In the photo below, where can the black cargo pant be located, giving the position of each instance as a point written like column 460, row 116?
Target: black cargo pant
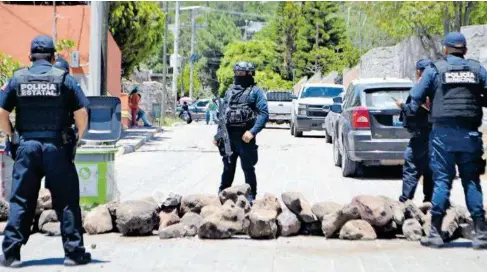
column 247, row 152
column 416, row 164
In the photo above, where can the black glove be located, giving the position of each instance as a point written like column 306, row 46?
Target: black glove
column 482, row 165
column 11, row 149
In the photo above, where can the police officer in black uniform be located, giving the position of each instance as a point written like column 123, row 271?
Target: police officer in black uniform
column 416, row 156
column 246, row 114
column 457, row 88
column 47, row 101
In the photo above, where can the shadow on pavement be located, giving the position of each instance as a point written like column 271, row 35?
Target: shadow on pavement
column 458, row 245
column 278, row 128
column 381, row 172
column 54, row 261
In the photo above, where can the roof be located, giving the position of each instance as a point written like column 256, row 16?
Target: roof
column 318, row 84
column 374, row 83
column 380, row 80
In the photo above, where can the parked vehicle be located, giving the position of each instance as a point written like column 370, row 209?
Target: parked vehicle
column 331, row 120
column 368, row 131
column 280, row 106
column 312, row 106
column 197, row 109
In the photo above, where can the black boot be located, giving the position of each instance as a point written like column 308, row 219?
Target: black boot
column 10, row 261
column 435, row 239
column 480, row 239
column 78, row 260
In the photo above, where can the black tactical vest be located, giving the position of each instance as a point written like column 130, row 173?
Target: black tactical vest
column 238, row 110
column 417, row 122
column 41, row 109
column 458, row 96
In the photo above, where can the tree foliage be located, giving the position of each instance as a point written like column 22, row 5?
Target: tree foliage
column 7, row 66
column 138, row 29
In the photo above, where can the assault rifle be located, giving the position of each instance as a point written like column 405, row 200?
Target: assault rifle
column 222, row 127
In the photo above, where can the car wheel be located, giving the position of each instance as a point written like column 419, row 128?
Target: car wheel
column 292, row 128
column 337, row 157
column 349, row 168
column 297, row 133
column 328, row 137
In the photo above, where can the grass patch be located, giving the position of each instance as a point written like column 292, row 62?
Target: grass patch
column 170, row 120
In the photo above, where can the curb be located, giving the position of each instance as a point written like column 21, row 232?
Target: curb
column 133, row 147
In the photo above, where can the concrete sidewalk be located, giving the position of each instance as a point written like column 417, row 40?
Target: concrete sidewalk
column 133, row 138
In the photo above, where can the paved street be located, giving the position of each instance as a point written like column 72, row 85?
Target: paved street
column 183, row 160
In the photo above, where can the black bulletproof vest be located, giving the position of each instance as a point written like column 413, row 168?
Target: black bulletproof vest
column 238, row 110
column 458, row 96
column 41, row 107
column 417, row 122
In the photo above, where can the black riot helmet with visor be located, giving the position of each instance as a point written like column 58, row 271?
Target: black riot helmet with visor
column 244, row 73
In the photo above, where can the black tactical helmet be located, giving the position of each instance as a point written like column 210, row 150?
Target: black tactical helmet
column 61, row 64
column 244, row 66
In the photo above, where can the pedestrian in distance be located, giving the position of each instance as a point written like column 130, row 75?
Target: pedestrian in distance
column 244, row 114
column 416, row 155
column 457, row 88
column 47, row 102
column 134, row 100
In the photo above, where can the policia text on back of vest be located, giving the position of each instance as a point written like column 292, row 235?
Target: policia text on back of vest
column 459, row 96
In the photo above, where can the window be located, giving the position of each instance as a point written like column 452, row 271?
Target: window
column 385, row 98
column 202, row 103
column 321, row 92
column 280, row 96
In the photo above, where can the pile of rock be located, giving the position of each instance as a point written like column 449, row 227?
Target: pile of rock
column 230, row 214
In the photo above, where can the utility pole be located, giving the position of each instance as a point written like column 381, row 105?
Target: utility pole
column 360, row 36
column 176, row 51
column 191, row 59
column 105, row 6
column 164, row 56
column 95, row 48
column 54, row 25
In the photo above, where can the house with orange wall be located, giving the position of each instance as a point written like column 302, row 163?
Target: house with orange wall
column 19, row 24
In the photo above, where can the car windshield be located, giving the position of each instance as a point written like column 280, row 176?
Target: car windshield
column 201, row 103
column 384, row 98
column 321, row 92
column 279, row 96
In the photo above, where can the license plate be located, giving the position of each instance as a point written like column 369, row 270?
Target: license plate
column 395, row 121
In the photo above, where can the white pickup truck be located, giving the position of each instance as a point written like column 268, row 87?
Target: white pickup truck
column 280, row 106
column 312, row 106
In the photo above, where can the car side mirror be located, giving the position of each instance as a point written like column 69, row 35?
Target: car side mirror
column 337, row 108
column 294, row 97
column 338, row 100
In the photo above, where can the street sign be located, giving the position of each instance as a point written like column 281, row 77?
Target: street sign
column 75, row 59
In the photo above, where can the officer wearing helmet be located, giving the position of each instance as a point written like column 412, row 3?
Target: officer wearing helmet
column 457, row 88
column 416, row 156
column 47, row 102
column 246, row 114
column 61, row 63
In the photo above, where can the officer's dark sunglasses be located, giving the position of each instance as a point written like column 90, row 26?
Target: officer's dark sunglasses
column 243, row 73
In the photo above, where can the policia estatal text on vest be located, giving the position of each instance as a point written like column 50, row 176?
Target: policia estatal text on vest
column 47, row 102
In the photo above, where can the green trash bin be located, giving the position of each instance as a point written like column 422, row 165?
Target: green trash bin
column 95, row 160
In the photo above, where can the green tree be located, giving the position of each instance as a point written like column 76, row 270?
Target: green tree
column 138, row 29
column 184, row 80
column 7, row 66
column 263, row 54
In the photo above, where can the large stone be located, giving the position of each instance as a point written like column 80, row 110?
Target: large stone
column 412, row 230
column 262, row 224
column 137, row 217
column 98, row 220
column 177, row 231
column 243, row 203
column 194, row 203
column 323, row 208
column 209, row 210
column 412, row 211
column 288, row 223
column 215, row 227
column 267, row 202
column 373, row 209
column 298, row 205
column 357, row 230
column 425, row 207
column 44, row 200
column 333, row 222
column 4, row 209
column 47, row 216
column 231, row 212
column 398, row 209
column 172, row 201
column 233, row 193
column 168, row 217
column 51, row 229
column 192, row 220
column 112, row 209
